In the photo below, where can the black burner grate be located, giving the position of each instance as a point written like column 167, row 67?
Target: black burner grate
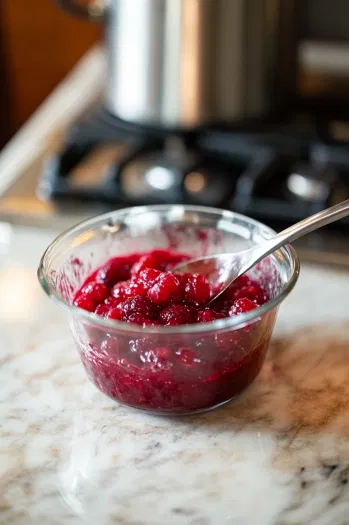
column 277, row 175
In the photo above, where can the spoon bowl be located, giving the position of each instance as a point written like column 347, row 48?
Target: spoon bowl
column 221, row 270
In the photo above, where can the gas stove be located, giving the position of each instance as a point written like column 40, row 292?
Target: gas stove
column 278, row 174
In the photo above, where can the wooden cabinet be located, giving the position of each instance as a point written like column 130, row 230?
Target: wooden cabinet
column 39, row 44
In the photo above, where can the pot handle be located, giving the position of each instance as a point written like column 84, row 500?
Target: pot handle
column 94, row 10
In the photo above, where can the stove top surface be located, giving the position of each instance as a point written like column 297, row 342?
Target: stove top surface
column 278, row 175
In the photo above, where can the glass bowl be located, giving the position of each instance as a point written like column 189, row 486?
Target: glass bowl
column 194, row 367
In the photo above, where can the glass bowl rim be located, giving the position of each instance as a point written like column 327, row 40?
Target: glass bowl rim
column 227, row 323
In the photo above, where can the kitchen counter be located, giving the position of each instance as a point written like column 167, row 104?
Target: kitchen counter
column 278, row 455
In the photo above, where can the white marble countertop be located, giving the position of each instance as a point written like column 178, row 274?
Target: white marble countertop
column 279, row 455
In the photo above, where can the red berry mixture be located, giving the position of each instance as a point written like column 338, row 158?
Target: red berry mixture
column 144, row 372
column 142, row 284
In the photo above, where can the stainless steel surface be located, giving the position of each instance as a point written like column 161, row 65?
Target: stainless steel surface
column 324, row 73
column 223, row 269
column 183, row 63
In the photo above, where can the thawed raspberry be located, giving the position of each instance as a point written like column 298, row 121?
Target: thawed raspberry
column 115, row 313
column 149, row 275
column 86, row 302
column 98, row 291
column 137, row 305
column 180, row 298
column 242, row 306
column 102, row 309
column 138, row 318
column 165, row 288
column 197, row 289
column 112, row 301
column 205, row 316
column 147, row 261
column 118, row 290
column 136, row 288
column 175, row 315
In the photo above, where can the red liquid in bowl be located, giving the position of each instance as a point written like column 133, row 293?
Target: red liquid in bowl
column 175, row 373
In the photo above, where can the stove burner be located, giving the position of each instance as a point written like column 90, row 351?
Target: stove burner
column 278, row 175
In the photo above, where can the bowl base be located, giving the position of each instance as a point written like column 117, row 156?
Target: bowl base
column 166, row 413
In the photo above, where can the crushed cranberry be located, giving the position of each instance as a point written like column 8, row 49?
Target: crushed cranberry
column 167, row 287
column 118, row 291
column 242, row 306
column 149, row 276
column 172, row 374
column 102, row 309
column 115, row 313
column 86, row 302
column 137, row 305
column 146, row 261
column 176, row 315
column 161, row 296
column 99, row 292
column 136, row 288
column 197, row 289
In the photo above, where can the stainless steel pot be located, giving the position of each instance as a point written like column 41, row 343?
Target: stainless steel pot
column 184, row 63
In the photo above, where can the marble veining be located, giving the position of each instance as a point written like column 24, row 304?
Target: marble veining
column 68, row 456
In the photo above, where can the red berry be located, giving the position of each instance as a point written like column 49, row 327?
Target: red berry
column 115, row 313
column 149, row 275
column 205, row 316
column 183, row 277
column 118, row 290
column 98, row 291
column 197, row 289
column 86, row 302
column 112, row 301
column 241, row 306
column 137, row 318
column 147, row 261
column 102, row 309
column 137, row 305
column 135, row 288
column 175, row 315
column 165, row 288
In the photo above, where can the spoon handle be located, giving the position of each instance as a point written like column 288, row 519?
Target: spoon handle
column 306, row 226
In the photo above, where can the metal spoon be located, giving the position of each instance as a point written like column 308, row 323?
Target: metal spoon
column 222, row 269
